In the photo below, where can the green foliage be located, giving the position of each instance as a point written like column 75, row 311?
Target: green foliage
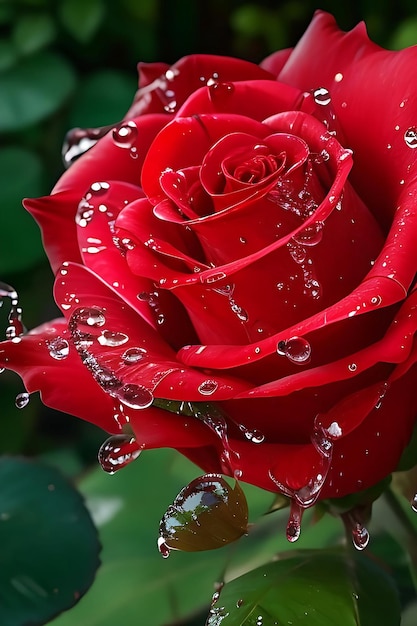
column 49, row 546
column 82, row 18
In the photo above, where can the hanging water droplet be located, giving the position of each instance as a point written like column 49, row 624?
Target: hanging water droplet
column 322, row 96
column 208, row 387
column 360, row 536
column 296, row 349
column 410, row 137
column 125, row 135
column 133, row 355
column 163, row 548
column 112, row 339
column 58, row 348
column 22, row 399
column 15, row 328
column 133, row 396
column 117, row 452
column 293, row 530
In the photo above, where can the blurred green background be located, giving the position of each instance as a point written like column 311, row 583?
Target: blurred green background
column 68, row 63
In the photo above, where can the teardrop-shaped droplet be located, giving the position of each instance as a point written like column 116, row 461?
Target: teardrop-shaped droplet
column 410, row 137
column 296, row 349
column 208, row 387
column 117, row 452
column 164, row 550
column 293, row 530
column 360, row 536
column 58, row 348
column 15, row 328
column 112, row 339
column 322, row 96
column 125, row 135
column 22, row 399
column 133, row 396
column 207, row 514
column 133, row 355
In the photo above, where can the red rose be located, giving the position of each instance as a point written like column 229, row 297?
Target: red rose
column 241, row 251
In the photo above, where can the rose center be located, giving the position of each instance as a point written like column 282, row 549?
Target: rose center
column 258, row 167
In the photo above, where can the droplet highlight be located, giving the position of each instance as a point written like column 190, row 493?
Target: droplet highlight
column 117, row 452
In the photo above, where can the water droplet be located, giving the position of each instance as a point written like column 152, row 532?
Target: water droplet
column 414, row 503
column 78, row 141
column 133, row 396
column 410, row 137
column 125, row 135
column 15, row 328
column 91, row 317
column 322, row 96
column 58, row 348
column 296, row 349
column 298, row 253
column 208, row 387
column 294, row 522
column 112, row 339
column 163, row 548
column 220, row 91
column 133, row 355
column 352, row 367
column 310, row 236
column 99, row 189
column 239, row 603
column 22, row 399
column 338, row 77
column 360, row 536
column 253, row 435
column 117, row 452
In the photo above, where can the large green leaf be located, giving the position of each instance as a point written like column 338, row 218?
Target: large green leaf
column 20, row 241
column 49, row 545
column 318, row 588
column 135, row 584
column 32, row 89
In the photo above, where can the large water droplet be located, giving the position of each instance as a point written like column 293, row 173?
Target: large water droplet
column 112, row 339
column 133, row 355
column 117, row 452
column 208, row 387
column 360, row 536
column 205, row 515
column 22, row 399
column 88, row 316
column 296, row 349
column 410, row 137
column 58, row 348
column 133, row 396
column 322, row 96
column 125, row 135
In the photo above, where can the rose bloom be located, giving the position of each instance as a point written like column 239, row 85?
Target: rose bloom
column 235, row 266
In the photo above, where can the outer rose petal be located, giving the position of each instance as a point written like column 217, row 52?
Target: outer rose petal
column 66, row 385
column 359, row 76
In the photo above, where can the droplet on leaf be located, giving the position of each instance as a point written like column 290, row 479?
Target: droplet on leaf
column 207, row 514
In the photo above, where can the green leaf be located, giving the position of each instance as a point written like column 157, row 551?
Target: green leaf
column 405, row 34
column 135, row 584
column 103, row 98
column 20, row 241
column 33, row 89
column 8, row 54
column 49, row 546
column 82, row 17
column 318, row 588
column 32, row 32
